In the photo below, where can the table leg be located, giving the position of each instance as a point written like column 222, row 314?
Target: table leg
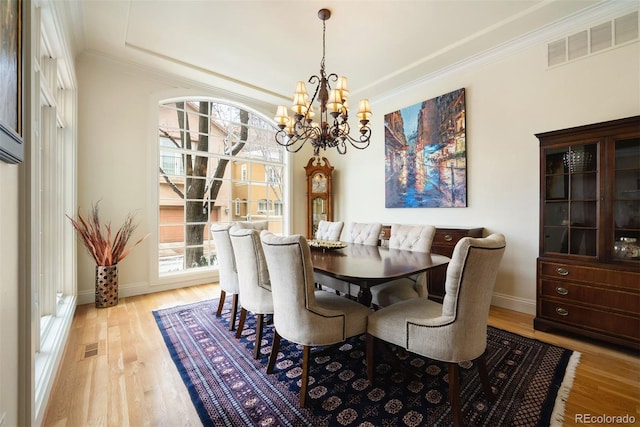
column 364, row 295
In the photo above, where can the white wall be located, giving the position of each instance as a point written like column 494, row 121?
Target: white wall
column 508, row 100
column 117, row 140
column 9, row 248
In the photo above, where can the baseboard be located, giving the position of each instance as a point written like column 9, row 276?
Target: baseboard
column 510, row 302
column 139, row 288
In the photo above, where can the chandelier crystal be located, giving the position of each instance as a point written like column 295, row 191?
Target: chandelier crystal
column 332, row 129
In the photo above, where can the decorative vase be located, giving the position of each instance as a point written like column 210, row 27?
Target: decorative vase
column 106, row 285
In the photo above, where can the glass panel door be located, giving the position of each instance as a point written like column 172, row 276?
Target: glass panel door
column 626, row 207
column 571, row 202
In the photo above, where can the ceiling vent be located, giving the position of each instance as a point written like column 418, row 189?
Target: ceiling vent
column 598, row 38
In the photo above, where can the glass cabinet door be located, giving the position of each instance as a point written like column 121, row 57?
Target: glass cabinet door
column 318, row 213
column 571, row 200
column 626, row 203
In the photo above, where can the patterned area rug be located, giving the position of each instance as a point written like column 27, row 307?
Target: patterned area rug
column 229, row 388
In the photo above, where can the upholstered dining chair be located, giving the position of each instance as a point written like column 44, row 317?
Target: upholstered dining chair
column 227, row 270
column 329, row 230
column 454, row 331
column 252, row 225
column 363, row 233
column 253, row 280
column 303, row 315
column 416, row 238
column 357, row 232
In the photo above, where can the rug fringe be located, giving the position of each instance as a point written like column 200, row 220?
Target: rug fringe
column 557, row 416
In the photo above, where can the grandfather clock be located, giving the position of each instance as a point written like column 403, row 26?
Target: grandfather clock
column 319, row 198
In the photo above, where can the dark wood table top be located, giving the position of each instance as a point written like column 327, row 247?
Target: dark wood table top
column 371, row 265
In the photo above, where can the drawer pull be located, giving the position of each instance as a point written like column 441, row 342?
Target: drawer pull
column 562, row 291
column 562, row 312
column 562, row 271
column 448, row 237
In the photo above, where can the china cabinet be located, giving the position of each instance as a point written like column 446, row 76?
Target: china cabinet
column 319, row 197
column 588, row 270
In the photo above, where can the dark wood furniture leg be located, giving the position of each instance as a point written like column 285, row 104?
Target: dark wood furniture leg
column 256, row 346
column 243, row 318
column 454, row 394
column 275, row 347
column 223, row 294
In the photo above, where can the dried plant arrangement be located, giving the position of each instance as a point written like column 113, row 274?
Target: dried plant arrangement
column 96, row 236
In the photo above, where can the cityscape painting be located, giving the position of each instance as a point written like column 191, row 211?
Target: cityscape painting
column 425, row 154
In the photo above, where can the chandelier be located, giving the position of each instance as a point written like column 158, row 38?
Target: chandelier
column 333, row 128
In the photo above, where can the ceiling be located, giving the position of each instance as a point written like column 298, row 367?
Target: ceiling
column 261, row 48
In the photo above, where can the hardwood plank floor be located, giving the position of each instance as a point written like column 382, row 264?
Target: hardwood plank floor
column 117, row 371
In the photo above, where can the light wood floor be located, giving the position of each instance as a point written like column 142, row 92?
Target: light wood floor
column 129, row 379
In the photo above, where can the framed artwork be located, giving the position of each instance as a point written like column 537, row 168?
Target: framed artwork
column 11, row 142
column 426, row 155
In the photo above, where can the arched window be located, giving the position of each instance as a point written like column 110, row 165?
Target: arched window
column 218, row 162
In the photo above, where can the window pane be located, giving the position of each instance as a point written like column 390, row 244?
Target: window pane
column 217, row 163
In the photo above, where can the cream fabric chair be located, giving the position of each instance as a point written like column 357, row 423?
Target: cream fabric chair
column 253, row 280
column 416, row 238
column 329, row 230
column 455, row 331
column 363, row 233
column 227, row 270
column 301, row 314
column 357, row 232
column 252, row 225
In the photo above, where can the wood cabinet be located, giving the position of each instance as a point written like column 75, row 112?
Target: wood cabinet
column 443, row 243
column 588, row 270
column 319, row 193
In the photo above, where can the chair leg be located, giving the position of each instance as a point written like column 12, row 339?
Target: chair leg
column 371, row 348
column 234, row 312
column 256, row 346
column 243, row 318
column 305, row 375
column 481, row 364
column 275, row 347
column 221, row 303
column 454, row 394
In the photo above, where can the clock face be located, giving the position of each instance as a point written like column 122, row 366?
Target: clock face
column 319, row 183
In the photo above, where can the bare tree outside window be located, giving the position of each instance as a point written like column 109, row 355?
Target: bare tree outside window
column 211, row 155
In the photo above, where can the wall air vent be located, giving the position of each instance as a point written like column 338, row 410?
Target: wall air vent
column 598, row 38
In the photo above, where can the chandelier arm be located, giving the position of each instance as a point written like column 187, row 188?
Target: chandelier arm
column 283, row 139
column 315, row 93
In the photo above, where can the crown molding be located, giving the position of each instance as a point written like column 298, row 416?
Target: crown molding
column 584, row 19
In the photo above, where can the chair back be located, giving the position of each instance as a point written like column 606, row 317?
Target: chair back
column 471, row 277
column 226, row 259
column 363, row 233
column 416, row 238
column 252, row 225
column 253, row 275
column 329, row 230
column 296, row 315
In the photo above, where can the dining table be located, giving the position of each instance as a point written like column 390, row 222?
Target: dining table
column 368, row 266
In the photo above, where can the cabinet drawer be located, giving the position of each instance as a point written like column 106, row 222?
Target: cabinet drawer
column 450, row 236
column 597, row 320
column 606, row 299
column 604, row 276
column 445, row 239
